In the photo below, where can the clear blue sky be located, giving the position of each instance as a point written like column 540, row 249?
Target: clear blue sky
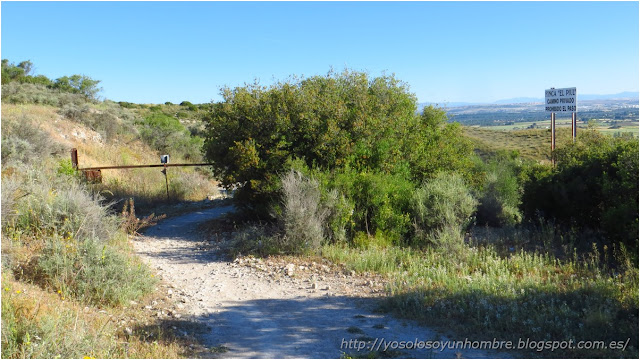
column 152, row 52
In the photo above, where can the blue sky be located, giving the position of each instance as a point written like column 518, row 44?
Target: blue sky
column 152, row 52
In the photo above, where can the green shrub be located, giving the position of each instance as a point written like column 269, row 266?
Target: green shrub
column 76, row 244
column 375, row 204
column 442, row 208
column 168, row 136
column 381, row 202
column 93, row 271
column 63, row 206
column 78, row 84
column 594, row 185
column 26, row 93
column 127, row 105
column 339, row 215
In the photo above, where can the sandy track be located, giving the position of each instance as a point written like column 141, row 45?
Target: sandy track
column 255, row 309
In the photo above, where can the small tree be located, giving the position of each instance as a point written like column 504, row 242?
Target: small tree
column 26, row 66
column 78, row 84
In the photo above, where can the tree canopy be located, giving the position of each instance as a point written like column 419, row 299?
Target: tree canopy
column 77, row 84
column 339, row 121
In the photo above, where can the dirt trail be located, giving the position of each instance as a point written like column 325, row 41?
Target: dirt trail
column 261, row 309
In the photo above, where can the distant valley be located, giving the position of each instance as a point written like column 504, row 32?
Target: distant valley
column 614, row 107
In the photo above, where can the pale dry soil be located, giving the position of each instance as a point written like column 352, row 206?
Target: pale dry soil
column 277, row 307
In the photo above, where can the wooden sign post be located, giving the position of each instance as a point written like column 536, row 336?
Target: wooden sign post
column 563, row 101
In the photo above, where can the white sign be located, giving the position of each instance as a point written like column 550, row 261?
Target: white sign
column 560, row 100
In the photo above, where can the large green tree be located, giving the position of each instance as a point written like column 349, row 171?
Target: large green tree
column 339, row 121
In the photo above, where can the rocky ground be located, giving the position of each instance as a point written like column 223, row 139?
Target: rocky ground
column 278, row 307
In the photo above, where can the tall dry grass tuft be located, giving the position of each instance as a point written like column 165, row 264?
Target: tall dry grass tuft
column 302, row 216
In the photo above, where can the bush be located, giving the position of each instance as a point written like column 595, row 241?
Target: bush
column 75, row 244
column 381, row 203
column 78, row 84
column 442, row 209
column 168, row 136
column 594, row 185
column 301, row 215
column 110, row 121
column 339, row 215
column 26, row 93
column 24, row 142
column 93, row 271
column 64, row 207
column 339, row 122
column 127, row 105
column 79, row 113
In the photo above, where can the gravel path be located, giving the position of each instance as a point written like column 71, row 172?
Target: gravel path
column 273, row 308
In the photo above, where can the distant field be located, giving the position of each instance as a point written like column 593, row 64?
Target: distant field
column 602, row 126
column 624, row 129
column 533, row 139
column 533, row 144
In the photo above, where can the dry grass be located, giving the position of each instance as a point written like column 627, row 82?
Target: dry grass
column 41, row 318
column 40, row 324
column 146, row 186
column 532, row 144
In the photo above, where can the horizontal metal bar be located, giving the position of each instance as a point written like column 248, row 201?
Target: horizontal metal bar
column 140, row 166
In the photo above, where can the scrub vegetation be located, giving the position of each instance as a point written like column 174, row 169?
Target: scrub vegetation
column 471, row 234
column 474, row 230
column 68, row 271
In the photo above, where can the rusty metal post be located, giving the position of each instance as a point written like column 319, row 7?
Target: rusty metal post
column 166, row 180
column 74, row 158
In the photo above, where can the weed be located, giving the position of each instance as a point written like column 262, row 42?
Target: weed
column 480, row 293
column 131, row 224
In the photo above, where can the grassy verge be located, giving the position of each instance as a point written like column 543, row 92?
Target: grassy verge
column 71, row 285
column 37, row 323
column 480, row 294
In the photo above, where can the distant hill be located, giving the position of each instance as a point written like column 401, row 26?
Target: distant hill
column 622, row 95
